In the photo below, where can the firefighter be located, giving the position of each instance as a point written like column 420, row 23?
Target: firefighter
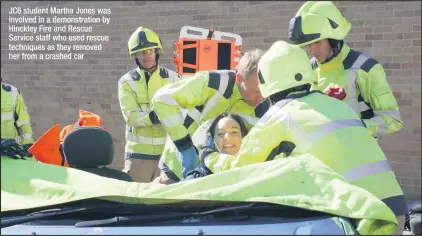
column 302, row 121
column 206, row 95
column 344, row 73
column 15, row 120
column 145, row 136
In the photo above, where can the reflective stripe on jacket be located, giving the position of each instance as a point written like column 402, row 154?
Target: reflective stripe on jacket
column 367, row 90
column 326, row 128
column 144, row 139
column 185, row 105
column 15, row 120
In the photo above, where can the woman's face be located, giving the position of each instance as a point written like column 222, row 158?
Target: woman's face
column 227, row 136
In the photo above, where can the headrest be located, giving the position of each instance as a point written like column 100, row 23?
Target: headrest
column 88, row 146
column 417, row 208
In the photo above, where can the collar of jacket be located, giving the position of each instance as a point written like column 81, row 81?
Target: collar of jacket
column 144, row 72
column 336, row 62
column 5, row 87
column 236, row 94
column 293, row 95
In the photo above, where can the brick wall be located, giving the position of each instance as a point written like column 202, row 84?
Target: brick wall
column 55, row 90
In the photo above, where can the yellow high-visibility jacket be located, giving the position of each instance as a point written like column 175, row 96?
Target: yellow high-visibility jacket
column 145, row 136
column 15, row 120
column 314, row 123
column 203, row 96
column 366, row 86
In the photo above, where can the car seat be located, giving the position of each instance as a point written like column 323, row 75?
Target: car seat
column 413, row 220
column 89, row 148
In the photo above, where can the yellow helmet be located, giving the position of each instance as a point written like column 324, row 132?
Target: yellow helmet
column 318, row 20
column 282, row 67
column 143, row 39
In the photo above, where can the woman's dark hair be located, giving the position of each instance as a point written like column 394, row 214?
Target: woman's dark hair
column 243, row 129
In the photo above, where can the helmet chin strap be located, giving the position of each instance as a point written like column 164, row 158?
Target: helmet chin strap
column 336, row 46
column 152, row 68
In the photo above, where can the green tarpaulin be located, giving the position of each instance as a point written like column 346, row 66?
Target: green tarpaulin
column 301, row 181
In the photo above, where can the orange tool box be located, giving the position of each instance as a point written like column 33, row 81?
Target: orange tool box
column 201, row 49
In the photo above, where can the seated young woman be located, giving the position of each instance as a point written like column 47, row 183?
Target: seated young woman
column 224, row 136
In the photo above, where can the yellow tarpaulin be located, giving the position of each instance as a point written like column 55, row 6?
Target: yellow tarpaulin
column 302, row 182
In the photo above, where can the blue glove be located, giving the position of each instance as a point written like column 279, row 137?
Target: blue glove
column 207, row 148
column 9, row 147
column 27, row 146
column 199, row 172
column 187, row 159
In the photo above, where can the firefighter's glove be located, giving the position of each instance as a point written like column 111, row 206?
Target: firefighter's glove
column 154, row 118
column 338, row 93
column 27, row 146
column 198, row 172
column 207, row 148
column 10, row 148
column 187, row 159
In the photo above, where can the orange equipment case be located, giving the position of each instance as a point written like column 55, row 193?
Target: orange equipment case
column 205, row 49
